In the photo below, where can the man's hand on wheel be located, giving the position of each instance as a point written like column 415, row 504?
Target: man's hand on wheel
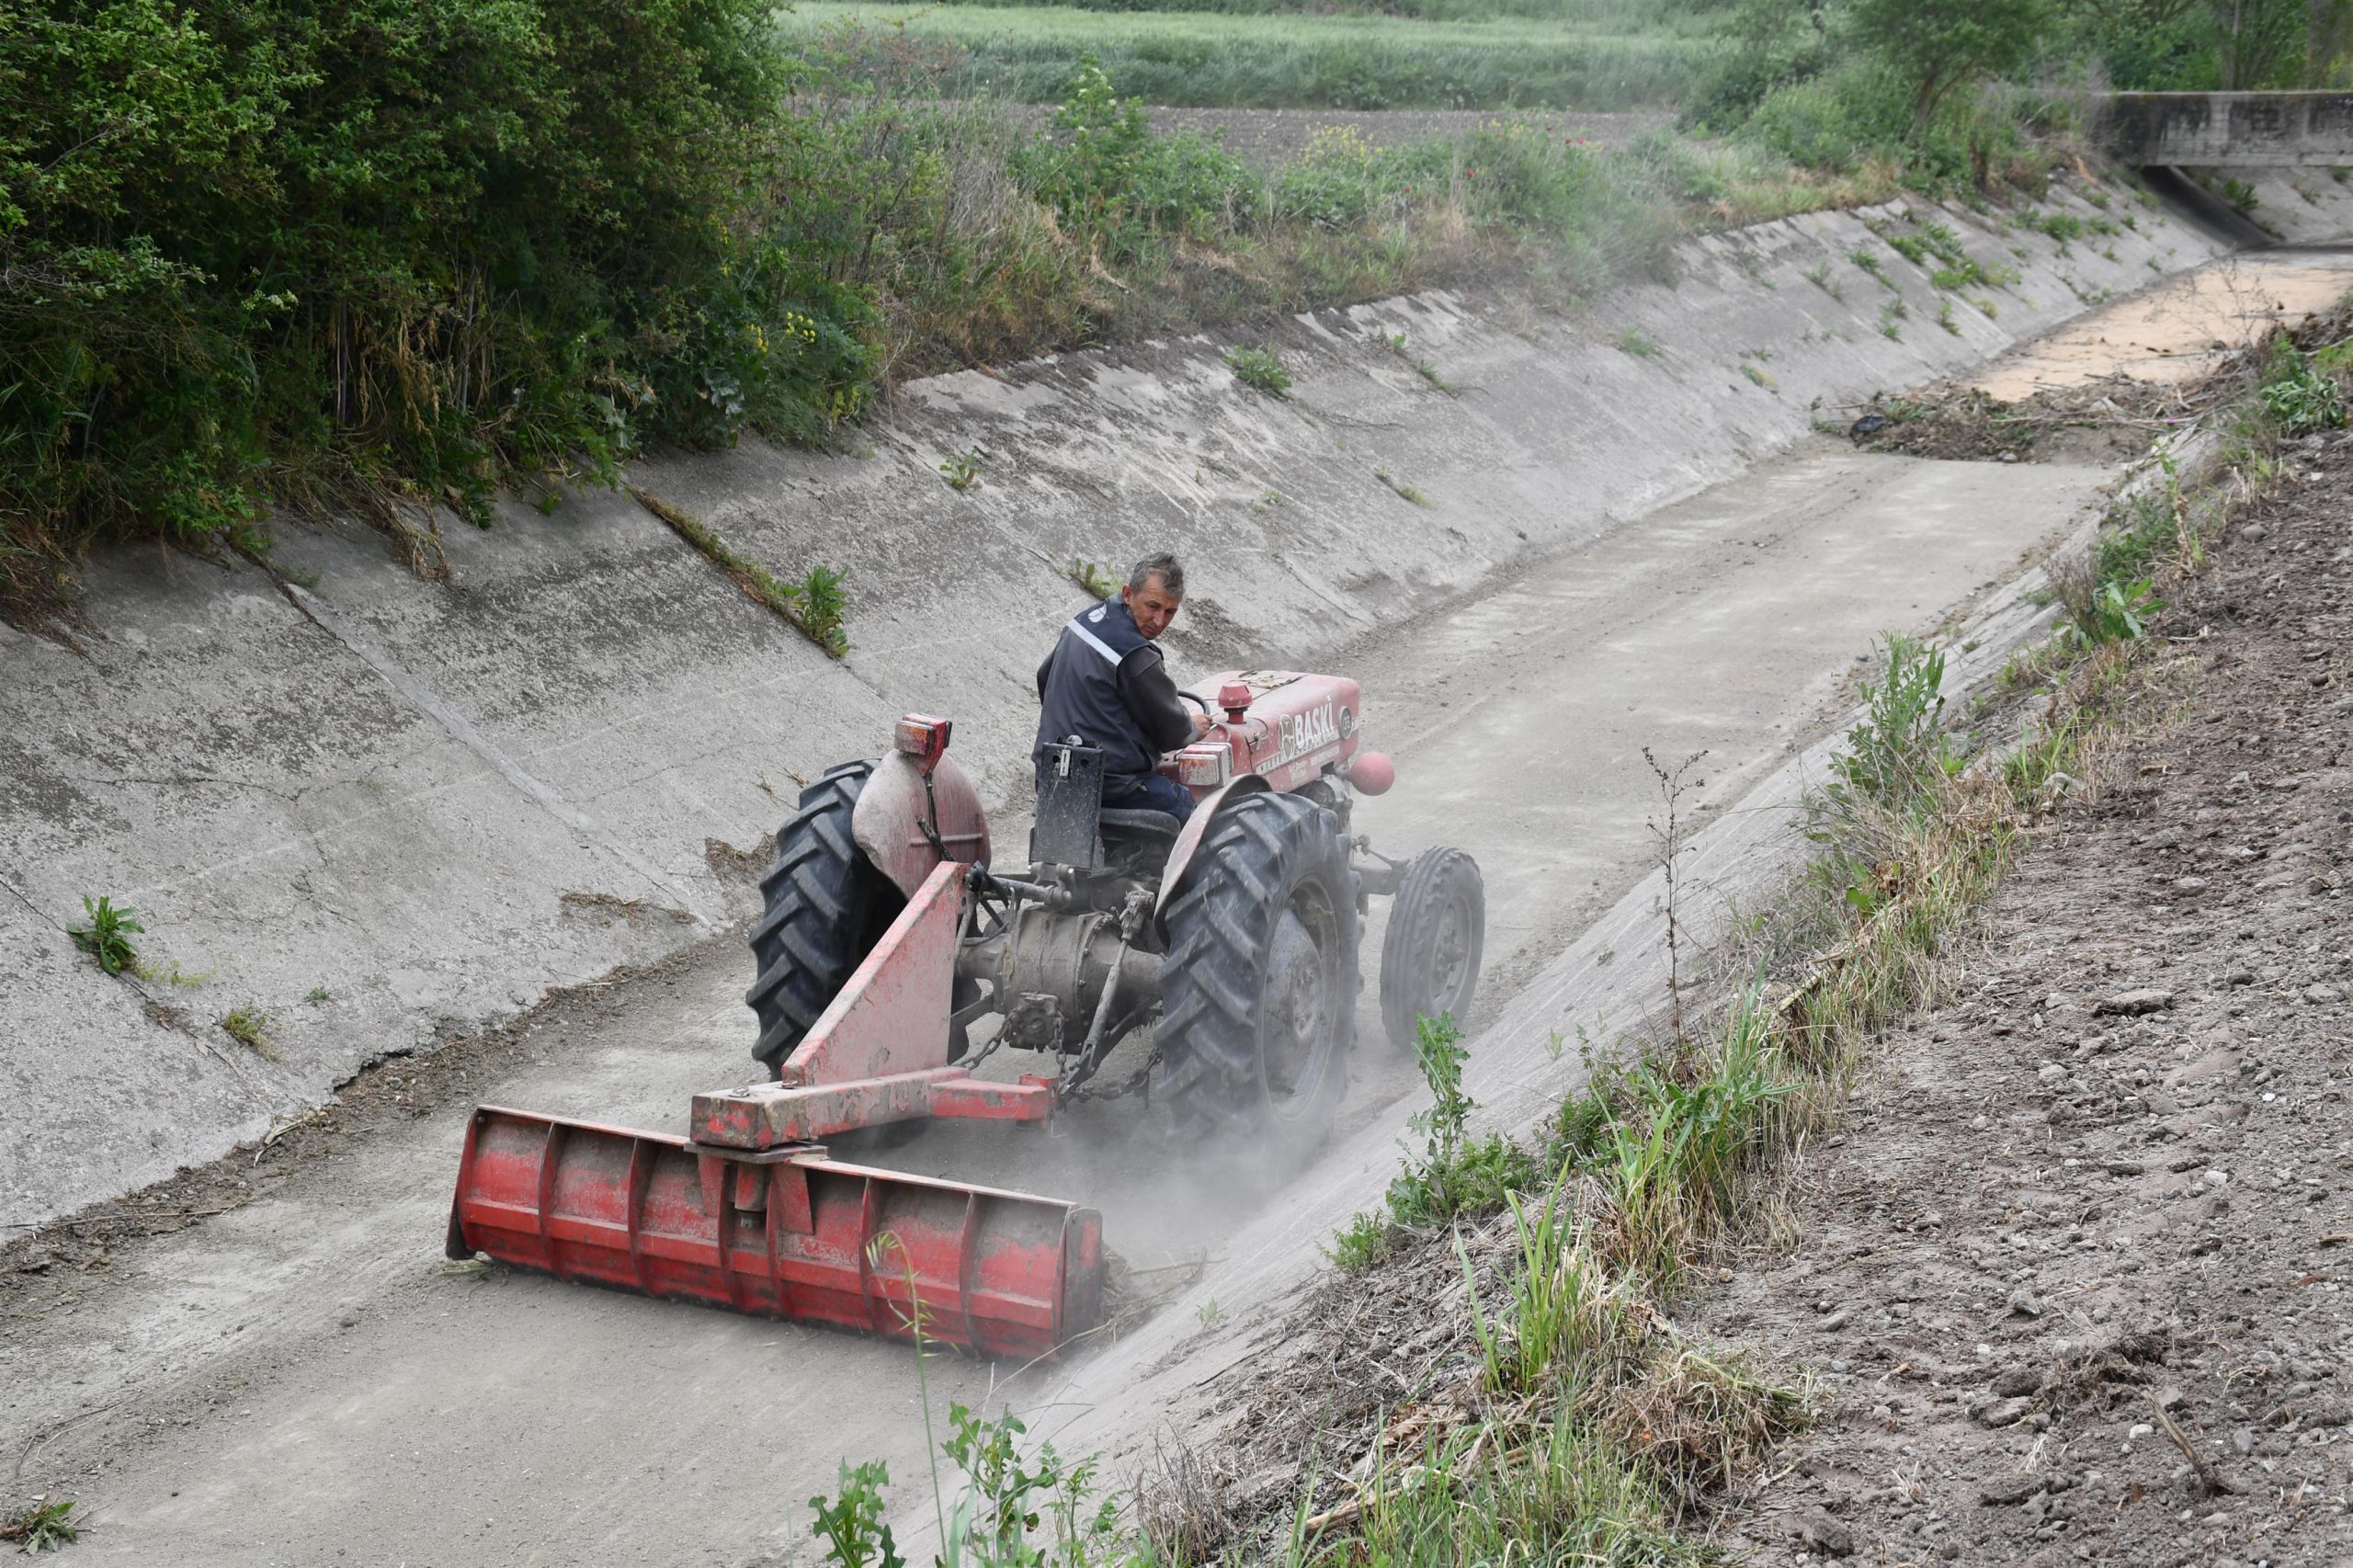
column 1200, row 726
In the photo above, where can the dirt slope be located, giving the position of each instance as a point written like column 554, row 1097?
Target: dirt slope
column 2114, row 1176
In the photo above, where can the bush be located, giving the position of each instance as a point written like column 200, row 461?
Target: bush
column 1121, row 190
column 1862, row 113
column 415, row 246
column 2301, row 400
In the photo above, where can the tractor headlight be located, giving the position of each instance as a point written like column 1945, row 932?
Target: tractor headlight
column 1204, row 767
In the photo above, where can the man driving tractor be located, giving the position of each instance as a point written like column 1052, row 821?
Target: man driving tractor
column 1105, row 684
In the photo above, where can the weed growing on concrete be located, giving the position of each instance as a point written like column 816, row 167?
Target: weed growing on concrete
column 1395, row 343
column 1820, row 277
column 1260, row 369
column 820, row 608
column 107, row 938
column 814, row 607
column 168, row 973
column 1638, row 343
column 1944, row 317
column 1894, row 312
column 963, row 471
column 1452, row 1174
column 41, row 1526
column 249, row 1027
column 1209, row 1315
column 316, row 995
column 1090, row 576
column 1402, row 488
column 1758, row 378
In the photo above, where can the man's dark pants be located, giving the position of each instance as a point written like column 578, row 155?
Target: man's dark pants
column 1158, row 792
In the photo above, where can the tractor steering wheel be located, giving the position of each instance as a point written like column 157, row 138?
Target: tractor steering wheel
column 1207, row 712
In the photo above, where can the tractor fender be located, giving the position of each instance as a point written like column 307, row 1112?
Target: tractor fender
column 893, row 808
column 1197, row 826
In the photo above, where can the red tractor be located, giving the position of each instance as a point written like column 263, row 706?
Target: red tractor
column 888, row 935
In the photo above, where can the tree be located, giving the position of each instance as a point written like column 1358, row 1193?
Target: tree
column 1939, row 45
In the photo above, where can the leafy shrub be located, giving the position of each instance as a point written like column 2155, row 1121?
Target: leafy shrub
column 2299, row 397
column 1899, row 741
column 1123, row 191
column 1860, row 114
column 394, row 247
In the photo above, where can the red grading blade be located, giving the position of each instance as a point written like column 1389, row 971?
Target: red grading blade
column 784, row 1233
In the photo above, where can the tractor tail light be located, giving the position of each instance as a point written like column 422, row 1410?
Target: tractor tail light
column 1204, row 767
column 923, row 738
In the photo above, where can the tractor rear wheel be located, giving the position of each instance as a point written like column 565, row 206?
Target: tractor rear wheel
column 1259, row 988
column 826, row 908
column 1429, row 958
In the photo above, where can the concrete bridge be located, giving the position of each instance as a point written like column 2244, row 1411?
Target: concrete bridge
column 2232, row 130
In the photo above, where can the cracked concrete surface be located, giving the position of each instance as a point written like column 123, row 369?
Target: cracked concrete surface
column 384, row 788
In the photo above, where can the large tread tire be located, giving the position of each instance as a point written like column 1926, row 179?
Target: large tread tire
column 1429, row 956
column 826, row 908
column 1229, row 1066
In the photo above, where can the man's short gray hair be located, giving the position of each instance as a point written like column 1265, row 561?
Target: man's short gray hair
column 1162, row 566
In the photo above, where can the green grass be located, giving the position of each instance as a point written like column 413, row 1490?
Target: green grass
column 1613, row 58
column 1261, row 369
column 813, row 606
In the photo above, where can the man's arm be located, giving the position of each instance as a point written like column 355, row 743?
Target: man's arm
column 1153, row 701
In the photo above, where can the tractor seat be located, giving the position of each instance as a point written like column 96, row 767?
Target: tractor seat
column 1139, row 828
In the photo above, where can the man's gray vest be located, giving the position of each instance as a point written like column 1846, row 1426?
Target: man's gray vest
column 1082, row 695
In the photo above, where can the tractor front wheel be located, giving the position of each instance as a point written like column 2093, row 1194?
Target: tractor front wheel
column 1430, row 959
column 1259, row 988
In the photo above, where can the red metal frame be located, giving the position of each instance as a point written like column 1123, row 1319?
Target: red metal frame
column 788, row 1234
column 879, row 1052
